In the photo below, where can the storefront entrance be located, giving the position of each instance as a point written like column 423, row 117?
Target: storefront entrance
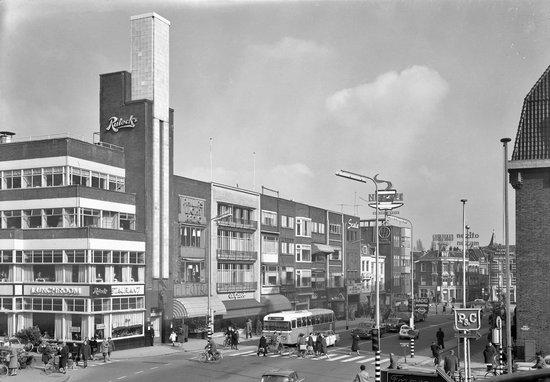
column 3, row 324
column 46, row 323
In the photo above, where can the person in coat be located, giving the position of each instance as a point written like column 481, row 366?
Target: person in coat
column 104, row 349
column 451, row 363
column 310, row 342
column 14, row 363
column 362, row 376
column 262, row 346
column 63, row 357
column 323, row 345
column 440, row 338
column 301, row 343
column 110, row 347
column 94, row 346
column 248, row 328
column 489, row 356
column 354, row 344
column 235, row 339
column 45, row 350
column 435, row 352
column 85, row 352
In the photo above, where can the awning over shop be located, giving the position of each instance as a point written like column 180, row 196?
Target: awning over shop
column 242, row 308
column 197, row 307
column 275, row 303
column 321, row 248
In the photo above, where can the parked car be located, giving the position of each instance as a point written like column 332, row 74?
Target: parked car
column 364, row 329
column 393, row 324
column 281, row 376
column 406, row 332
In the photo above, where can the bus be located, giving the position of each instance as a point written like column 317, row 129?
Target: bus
column 292, row 323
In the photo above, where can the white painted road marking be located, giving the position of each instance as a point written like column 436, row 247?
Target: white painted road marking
column 137, row 372
column 338, row 357
column 352, row 359
column 122, row 377
column 367, row 360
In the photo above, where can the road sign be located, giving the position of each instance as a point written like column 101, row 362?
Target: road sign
column 471, row 334
column 498, row 322
column 468, row 319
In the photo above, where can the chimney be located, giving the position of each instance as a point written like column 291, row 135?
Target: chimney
column 6, row 136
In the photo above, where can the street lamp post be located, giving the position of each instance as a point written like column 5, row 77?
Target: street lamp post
column 363, row 179
column 464, row 305
column 209, row 311
column 507, row 273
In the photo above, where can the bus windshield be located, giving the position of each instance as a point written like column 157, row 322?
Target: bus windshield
column 277, row 325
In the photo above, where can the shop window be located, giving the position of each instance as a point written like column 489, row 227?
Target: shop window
column 75, row 304
column 101, row 304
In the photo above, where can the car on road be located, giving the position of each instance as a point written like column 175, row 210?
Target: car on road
column 406, row 332
column 281, row 376
column 393, row 324
column 364, row 329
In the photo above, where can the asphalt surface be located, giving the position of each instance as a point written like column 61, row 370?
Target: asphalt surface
column 244, row 365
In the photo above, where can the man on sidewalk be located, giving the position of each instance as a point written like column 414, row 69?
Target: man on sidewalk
column 450, row 364
column 248, row 328
column 362, row 376
column 435, row 352
column 440, row 338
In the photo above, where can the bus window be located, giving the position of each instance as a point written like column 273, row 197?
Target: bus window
column 299, row 322
column 309, row 321
column 293, row 323
column 277, row 325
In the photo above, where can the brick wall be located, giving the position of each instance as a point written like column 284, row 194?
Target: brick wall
column 533, row 258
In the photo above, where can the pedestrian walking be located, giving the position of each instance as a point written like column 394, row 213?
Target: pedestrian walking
column 323, row 348
column 262, row 346
column 173, row 338
column 362, row 375
column 248, row 328
column 301, row 343
column 435, row 352
column 85, row 352
column 235, row 338
column 45, row 350
column 440, row 338
column 354, row 344
column 490, row 356
column 110, row 347
column 450, row 363
column 310, row 343
column 94, row 346
column 445, row 308
column 63, row 357
column 104, row 348
column 151, row 335
column 13, row 364
column 259, row 327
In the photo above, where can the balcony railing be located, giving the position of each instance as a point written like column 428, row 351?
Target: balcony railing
column 238, row 223
column 236, row 255
column 190, row 289
column 236, row 287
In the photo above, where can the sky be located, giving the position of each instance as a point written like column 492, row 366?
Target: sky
column 419, row 92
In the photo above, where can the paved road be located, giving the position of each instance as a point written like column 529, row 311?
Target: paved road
column 244, row 365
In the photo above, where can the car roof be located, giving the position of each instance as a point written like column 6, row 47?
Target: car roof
column 283, row 373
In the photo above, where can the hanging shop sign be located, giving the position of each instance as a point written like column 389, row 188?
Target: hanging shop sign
column 353, row 224
column 236, row 296
column 56, row 290
column 126, row 290
column 117, row 123
column 74, row 329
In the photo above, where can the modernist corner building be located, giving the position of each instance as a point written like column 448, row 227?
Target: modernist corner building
column 529, row 171
column 101, row 239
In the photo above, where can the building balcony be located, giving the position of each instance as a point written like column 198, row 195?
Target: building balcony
column 190, row 289
column 237, row 287
column 236, row 255
column 270, row 258
column 234, row 222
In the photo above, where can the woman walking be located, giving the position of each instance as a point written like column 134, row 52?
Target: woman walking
column 354, row 344
column 14, row 364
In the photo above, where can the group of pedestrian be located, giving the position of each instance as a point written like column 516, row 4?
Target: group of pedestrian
column 314, row 343
column 232, row 335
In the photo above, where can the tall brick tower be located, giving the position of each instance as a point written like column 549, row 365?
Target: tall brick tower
column 530, row 176
column 135, row 114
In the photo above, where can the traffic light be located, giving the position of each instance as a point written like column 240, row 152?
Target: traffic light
column 375, row 340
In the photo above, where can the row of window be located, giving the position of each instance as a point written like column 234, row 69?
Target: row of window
column 58, row 273
column 59, row 176
column 231, row 273
column 73, row 304
column 66, row 218
column 71, row 256
column 238, row 214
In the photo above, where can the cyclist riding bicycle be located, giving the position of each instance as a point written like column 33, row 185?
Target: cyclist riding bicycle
column 211, row 348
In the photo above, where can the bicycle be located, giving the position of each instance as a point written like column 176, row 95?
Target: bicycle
column 456, row 376
column 494, row 370
column 207, row 357
column 226, row 342
column 52, row 366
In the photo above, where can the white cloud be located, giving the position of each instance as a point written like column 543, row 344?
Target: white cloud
column 401, row 102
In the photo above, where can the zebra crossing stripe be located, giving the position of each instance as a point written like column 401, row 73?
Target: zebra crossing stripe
column 385, row 360
column 242, row 353
column 352, row 359
column 338, row 357
column 274, row 355
column 366, row 360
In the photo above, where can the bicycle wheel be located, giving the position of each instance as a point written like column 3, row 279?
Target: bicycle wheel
column 203, row 357
column 48, row 368
column 3, row 369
